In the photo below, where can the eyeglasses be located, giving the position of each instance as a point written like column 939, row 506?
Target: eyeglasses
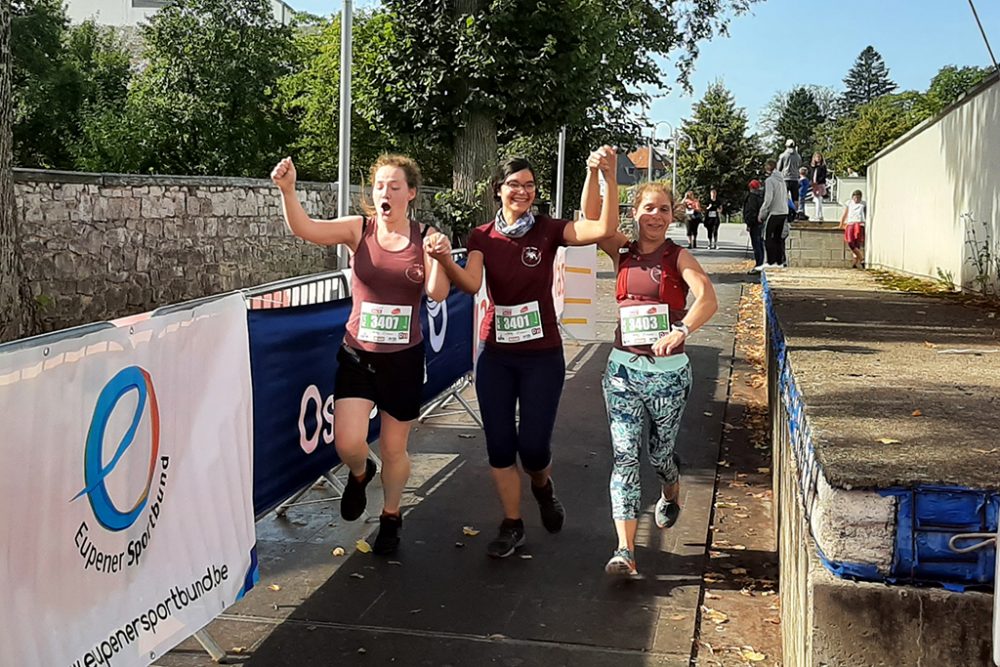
column 514, row 185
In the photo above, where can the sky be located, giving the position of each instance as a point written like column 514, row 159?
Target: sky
column 784, row 43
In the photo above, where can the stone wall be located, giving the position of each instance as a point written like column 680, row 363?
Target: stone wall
column 817, row 244
column 100, row 246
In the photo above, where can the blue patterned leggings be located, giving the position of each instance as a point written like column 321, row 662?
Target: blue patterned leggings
column 636, row 401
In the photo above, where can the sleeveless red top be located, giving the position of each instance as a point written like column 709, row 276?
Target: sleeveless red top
column 394, row 279
column 650, row 278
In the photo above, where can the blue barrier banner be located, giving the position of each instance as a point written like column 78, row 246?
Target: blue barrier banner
column 293, row 361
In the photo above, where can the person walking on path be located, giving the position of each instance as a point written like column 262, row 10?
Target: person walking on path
column 522, row 366
column 755, row 228
column 853, row 223
column 381, row 360
column 789, row 164
column 818, row 178
column 773, row 214
column 693, row 212
column 713, row 218
column 648, row 376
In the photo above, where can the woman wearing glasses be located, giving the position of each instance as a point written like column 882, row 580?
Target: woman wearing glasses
column 522, row 366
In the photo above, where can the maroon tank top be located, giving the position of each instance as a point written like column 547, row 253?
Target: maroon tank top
column 649, row 279
column 387, row 288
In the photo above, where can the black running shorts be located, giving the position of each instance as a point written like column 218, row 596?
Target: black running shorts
column 394, row 381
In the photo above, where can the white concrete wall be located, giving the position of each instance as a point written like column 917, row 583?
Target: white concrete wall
column 129, row 13
column 920, row 189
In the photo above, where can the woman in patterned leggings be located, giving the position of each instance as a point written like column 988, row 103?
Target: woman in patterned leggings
column 648, row 377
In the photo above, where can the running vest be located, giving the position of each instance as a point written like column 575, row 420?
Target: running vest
column 387, row 289
column 643, row 282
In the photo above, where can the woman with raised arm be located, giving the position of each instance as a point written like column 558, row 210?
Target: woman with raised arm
column 381, row 361
column 648, row 378
column 522, row 366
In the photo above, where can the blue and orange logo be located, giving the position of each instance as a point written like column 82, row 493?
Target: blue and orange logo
column 132, row 378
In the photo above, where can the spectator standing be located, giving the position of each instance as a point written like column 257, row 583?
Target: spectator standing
column 755, row 228
column 773, row 214
column 805, row 185
column 789, row 164
column 818, row 178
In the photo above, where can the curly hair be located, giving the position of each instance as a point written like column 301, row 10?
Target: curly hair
column 409, row 167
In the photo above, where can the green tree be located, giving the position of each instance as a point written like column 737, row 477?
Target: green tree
column 799, row 119
column 724, row 155
column 855, row 139
column 950, row 83
column 205, row 101
column 310, row 96
column 16, row 305
column 867, row 80
column 100, row 56
column 463, row 72
column 46, row 85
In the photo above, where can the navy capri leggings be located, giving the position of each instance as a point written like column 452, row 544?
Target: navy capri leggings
column 506, row 380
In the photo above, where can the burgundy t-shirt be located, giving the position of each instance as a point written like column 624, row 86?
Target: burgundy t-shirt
column 519, row 271
column 386, row 278
column 639, row 280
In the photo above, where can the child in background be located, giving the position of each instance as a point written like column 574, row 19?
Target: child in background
column 853, row 223
column 805, row 186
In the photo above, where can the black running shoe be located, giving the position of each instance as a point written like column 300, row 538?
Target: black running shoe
column 354, row 501
column 387, row 540
column 551, row 509
column 511, row 537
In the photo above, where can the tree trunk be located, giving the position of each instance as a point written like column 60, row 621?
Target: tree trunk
column 474, row 160
column 475, row 147
column 16, row 313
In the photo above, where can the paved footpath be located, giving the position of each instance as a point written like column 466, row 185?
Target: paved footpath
column 441, row 601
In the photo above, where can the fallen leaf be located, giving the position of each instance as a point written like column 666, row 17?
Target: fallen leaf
column 274, row 587
column 394, row 562
column 363, row 650
column 526, row 556
column 738, row 547
column 916, row 413
column 469, row 531
column 742, row 516
column 466, row 436
column 714, row 615
column 357, row 575
column 707, row 414
column 888, row 441
column 416, row 611
column 831, row 319
column 363, row 547
column 764, row 471
column 712, row 596
column 747, row 653
column 739, row 570
column 712, row 579
column 929, row 344
column 339, row 551
column 773, row 621
column 242, row 649
column 459, row 545
column 986, row 451
column 678, row 617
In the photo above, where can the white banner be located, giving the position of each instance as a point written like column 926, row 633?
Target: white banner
column 580, row 288
column 127, row 518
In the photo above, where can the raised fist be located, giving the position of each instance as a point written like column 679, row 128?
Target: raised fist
column 284, row 175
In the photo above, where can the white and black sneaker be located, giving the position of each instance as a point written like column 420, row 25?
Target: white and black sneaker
column 508, row 540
